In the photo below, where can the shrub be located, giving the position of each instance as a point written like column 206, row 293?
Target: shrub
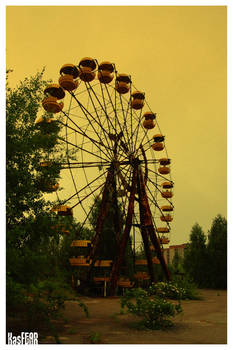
column 95, row 338
column 47, row 300
column 189, row 287
column 155, row 311
column 177, row 290
column 15, row 295
column 38, row 305
column 167, row 290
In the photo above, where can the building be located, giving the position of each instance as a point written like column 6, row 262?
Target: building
column 170, row 252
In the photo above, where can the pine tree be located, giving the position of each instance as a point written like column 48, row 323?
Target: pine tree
column 195, row 258
column 217, row 252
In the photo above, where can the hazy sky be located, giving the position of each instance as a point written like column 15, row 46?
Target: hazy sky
column 176, row 54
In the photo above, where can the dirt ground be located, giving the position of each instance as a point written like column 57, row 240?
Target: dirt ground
column 202, row 322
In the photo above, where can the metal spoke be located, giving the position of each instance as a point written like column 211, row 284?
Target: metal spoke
column 79, row 131
column 83, row 149
column 87, row 113
column 88, row 86
column 117, row 121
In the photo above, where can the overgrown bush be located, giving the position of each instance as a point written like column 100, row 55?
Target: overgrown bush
column 177, row 290
column 47, row 300
column 189, row 287
column 154, row 311
column 167, row 290
column 15, row 295
column 40, row 304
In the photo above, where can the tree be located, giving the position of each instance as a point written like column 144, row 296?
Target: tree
column 26, row 148
column 217, row 252
column 195, row 258
column 31, row 244
column 177, row 263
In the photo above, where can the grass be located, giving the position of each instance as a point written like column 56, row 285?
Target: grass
column 72, row 331
column 95, row 338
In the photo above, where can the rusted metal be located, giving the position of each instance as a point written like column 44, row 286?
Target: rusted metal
column 125, row 236
column 144, row 217
column 145, row 163
column 126, row 186
column 100, row 220
column 158, row 249
column 149, row 224
column 117, row 218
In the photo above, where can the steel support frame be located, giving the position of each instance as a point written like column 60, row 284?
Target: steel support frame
column 125, row 236
column 143, row 228
column 100, row 220
column 148, row 226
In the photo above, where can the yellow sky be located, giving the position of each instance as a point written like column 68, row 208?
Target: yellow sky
column 176, row 54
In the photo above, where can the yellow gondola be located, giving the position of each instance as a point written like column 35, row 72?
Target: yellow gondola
column 164, row 161
column 63, row 210
column 164, row 240
column 164, row 170
column 81, row 243
column 140, row 275
column 148, row 122
column 137, row 100
column 167, row 208
column 158, row 142
column 166, row 194
column 166, row 218
column 105, row 71
column 53, row 93
column 162, row 229
column 122, row 83
column 68, row 79
column 167, row 184
column 141, row 262
column 87, row 68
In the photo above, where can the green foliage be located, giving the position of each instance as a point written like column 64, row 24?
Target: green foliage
column 95, row 338
column 36, row 283
column 195, row 256
column 40, row 304
column 177, row 264
column 154, row 311
column 25, row 149
column 15, row 295
column 167, row 290
column 205, row 263
column 180, row 289
column 47, row 300
column 217, row 253
column 33, row 249
column 188, row 285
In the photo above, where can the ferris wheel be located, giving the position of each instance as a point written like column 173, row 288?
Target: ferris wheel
column 115, row 150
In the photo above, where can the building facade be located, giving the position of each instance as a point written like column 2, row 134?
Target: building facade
column 170, row 252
